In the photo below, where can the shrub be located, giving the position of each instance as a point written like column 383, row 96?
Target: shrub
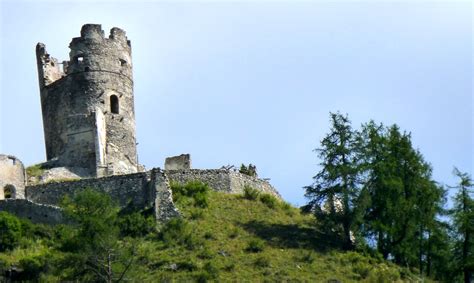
column 251, row 170
column 250, row 193
column 135, row 225
column 197, row 191
column 32, row 267
column 269, row 200
column 10, row 231
column 255, row 246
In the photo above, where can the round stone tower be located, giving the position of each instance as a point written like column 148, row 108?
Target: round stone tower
column 88, row 105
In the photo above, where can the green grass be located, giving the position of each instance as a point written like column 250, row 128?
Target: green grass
column 228, row 238
column 247, row 240
column 35, row 170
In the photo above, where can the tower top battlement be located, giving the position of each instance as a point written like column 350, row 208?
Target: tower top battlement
column 94, row 32
column 88, row 105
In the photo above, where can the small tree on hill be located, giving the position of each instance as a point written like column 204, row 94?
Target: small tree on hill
column 334, row 192
column 463, row 221
column 95, row 242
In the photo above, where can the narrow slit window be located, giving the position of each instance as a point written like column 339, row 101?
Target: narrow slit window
column 114, row 104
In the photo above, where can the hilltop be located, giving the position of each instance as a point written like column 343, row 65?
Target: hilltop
column 222, row 237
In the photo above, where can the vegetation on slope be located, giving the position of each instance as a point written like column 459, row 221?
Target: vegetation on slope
column 221, row 237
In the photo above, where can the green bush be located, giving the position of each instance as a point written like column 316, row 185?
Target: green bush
column 255, row 246
column 197, row 191
column 250, row 193
column 269, row 200
column 32, row 267
column 136, row 225
column 10, row 231
column 251, row 170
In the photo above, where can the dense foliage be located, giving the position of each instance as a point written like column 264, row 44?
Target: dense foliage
column 375, row 192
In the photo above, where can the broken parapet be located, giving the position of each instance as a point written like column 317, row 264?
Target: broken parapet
column 181, row 162
column 222, row 180
column 48, row 67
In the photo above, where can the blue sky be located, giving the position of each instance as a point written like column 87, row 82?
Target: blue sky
column 254, row 81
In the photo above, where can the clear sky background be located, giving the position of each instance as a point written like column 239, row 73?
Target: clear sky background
column 254, row 81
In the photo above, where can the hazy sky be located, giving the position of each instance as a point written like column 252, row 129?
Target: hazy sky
column 254, row 81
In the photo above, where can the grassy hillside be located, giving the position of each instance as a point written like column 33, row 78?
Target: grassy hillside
column 223, row 237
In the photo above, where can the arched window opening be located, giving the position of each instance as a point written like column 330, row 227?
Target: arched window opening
column 114, row 104
column 9, row 191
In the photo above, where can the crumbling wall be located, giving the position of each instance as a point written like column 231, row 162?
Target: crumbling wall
column 180, row 162
column 238, row 181
column 139, row 190
column 131, row 189
column 37, row 213
column 163, row 196
column 12, row 177
column 222, row 180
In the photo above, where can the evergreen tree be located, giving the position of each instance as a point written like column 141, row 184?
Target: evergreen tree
column 463, row 222
column 334, row 192
column 94, row 246
column 403, row 200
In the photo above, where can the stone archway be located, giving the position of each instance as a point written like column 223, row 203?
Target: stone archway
column 9, row 192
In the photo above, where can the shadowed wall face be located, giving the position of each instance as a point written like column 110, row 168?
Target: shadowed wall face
column 88, row 106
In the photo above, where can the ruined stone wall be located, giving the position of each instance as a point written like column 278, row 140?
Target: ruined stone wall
column 37, row 213
column 180, row 162
column 97, row 78
column 12, row 177
column 238, row 181
column 222, row 180
column 125, row 189
column 139, row 190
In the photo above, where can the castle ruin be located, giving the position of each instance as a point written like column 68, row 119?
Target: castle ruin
column 89, row 129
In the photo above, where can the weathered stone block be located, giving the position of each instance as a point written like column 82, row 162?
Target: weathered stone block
column 181, row 162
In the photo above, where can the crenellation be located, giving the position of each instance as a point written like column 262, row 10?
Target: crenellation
column 92, row 31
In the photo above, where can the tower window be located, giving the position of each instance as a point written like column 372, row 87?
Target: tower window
column 114, row 104
column 79, row 59
column 123, row 62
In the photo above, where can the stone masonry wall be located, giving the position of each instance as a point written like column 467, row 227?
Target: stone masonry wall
column 125, row 189
column 222, row 180
column 37, row 213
